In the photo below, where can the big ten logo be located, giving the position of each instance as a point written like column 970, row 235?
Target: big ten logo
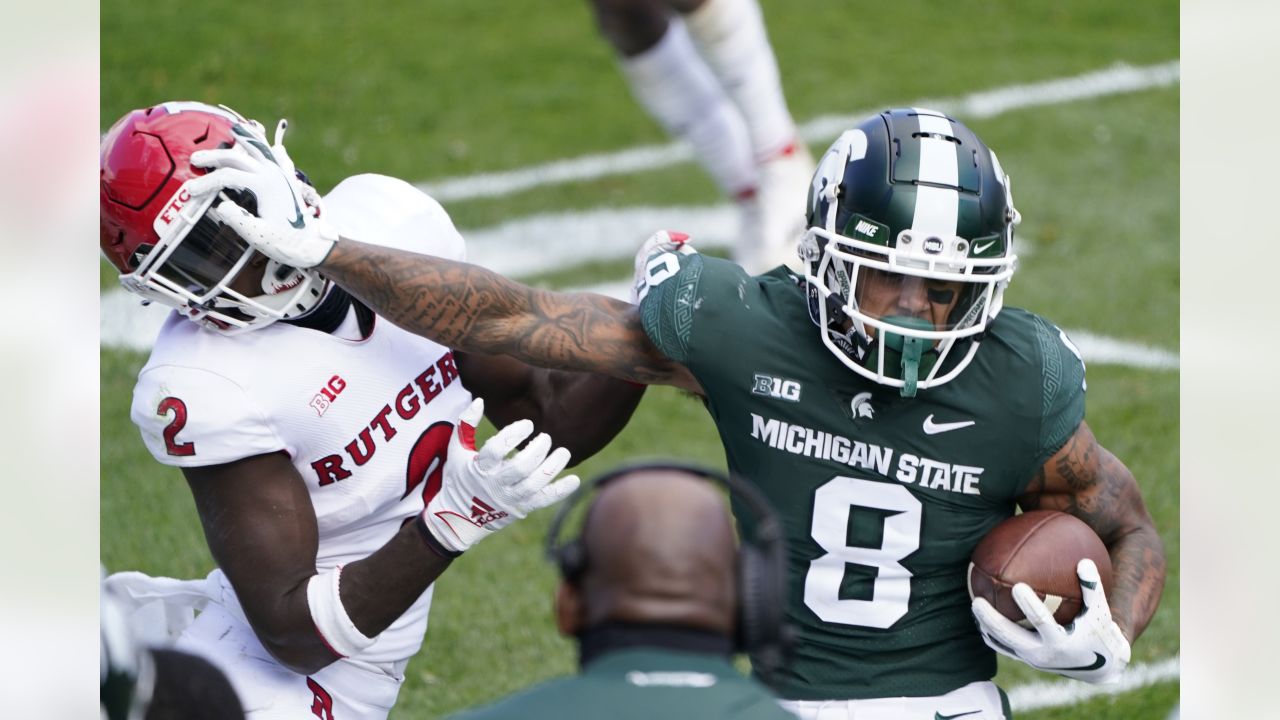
column 328, row 394
column 776, row 387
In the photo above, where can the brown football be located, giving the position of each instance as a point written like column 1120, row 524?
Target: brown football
column 1039, row 548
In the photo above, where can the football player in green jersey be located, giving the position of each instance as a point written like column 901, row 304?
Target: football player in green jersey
column 885, row 402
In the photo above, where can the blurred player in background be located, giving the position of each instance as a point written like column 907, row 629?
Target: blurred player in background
column 658, row 596
column 330, row 454
column 705, row 71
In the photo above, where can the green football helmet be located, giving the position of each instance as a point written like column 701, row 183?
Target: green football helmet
column 909, row 247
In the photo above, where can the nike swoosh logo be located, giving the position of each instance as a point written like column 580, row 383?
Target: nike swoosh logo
column 933, row 428
column 297, row 220
column 979, row 249
column 940, row 716
column 1098, row 661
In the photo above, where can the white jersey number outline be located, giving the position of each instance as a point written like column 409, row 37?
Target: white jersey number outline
column 891, row 590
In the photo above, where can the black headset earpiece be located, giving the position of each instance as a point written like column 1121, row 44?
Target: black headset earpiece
column 760, row 627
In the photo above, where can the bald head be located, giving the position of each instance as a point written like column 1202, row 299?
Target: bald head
column 660, row 549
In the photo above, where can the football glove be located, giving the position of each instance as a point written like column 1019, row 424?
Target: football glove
column 484, row 491
column 288, row 227
column 654, row 262
column 1091, row 648
column 309, row 194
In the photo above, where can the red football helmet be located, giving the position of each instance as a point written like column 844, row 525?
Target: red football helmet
column 166, row 246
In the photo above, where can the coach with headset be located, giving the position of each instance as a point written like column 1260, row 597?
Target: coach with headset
column 659, row 596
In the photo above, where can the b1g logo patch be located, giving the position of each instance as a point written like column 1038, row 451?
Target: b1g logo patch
column 328, row 394
column 776, row 387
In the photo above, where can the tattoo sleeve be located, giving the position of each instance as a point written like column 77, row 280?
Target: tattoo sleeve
column 472, row 309
column 1085, row 479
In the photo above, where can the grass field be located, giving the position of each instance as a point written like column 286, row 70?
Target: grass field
column 445, row 89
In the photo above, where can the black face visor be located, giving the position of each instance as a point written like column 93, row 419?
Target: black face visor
column 209, row 252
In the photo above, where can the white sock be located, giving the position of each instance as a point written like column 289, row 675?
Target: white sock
column 675, row 85
column 732, row 39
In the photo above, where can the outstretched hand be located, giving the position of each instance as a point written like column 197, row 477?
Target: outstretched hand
column 483, row 490
column 287, row 226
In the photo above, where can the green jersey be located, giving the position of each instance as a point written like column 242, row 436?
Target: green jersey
column 883, row 498
column 642, row 684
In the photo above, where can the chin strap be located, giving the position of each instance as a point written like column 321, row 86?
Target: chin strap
column 911, row 355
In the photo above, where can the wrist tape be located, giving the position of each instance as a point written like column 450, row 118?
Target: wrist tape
column 330, row 617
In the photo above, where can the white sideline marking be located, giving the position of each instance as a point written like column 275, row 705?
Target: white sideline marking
column 542, row 243
column 127, row 324
column 1038, row 695
column 1114, row 80
column 1099, row 349
column 554, row 241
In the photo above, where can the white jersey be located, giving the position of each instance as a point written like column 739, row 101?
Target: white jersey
column 366, row 423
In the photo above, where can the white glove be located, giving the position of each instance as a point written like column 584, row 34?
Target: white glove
column 1090, row 648
column 654, row 262
column 288, row 228
column 483, row 492
column 309, row 194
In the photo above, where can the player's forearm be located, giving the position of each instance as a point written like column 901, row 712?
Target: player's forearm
column 375, row 592
column 469, row 308
column 380, row 588
column 1138, row 575
column 456, row 304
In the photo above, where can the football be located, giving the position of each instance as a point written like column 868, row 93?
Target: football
column 1039, row 548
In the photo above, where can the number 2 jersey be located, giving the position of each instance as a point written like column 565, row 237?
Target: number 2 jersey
column 366, row 423
column 883, row 498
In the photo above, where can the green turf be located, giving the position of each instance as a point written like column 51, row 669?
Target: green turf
column 1150, row 703
column 440, row 88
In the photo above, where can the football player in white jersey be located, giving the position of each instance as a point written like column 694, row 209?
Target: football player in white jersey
column 330, row 454
column 704, row 69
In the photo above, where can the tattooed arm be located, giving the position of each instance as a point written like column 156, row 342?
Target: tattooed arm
column 1085, row 479
column 472, row 309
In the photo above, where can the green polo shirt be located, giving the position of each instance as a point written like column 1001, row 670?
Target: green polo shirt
column 643, row 683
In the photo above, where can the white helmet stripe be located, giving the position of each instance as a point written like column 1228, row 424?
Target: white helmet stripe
column 937, row 209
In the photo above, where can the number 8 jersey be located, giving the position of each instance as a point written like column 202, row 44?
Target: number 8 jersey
column 883, row 498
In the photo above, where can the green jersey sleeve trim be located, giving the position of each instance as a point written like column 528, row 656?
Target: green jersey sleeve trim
column 667, row 310
column 1063, row 389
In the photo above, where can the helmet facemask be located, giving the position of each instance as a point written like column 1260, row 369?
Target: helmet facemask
column 206, row 271
column 164, row 241
column 905, row 302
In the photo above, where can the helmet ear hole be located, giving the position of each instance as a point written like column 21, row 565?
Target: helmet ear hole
column 135, row 260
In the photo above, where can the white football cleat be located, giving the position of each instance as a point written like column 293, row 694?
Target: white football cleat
column 773, row 218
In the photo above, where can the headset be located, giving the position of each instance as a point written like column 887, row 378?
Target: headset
column 760, row 628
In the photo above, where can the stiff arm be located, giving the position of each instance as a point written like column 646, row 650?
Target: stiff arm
column 472, row 309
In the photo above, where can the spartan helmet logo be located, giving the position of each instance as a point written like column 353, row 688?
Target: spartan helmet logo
column 860, row 406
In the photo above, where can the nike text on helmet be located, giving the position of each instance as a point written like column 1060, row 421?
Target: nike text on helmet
column 160, row 237
column 910, row 198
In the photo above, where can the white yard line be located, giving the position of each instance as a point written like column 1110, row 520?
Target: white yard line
column 1039, row 695
column 1114, row 80
column 554, row 241
column 551, row 242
